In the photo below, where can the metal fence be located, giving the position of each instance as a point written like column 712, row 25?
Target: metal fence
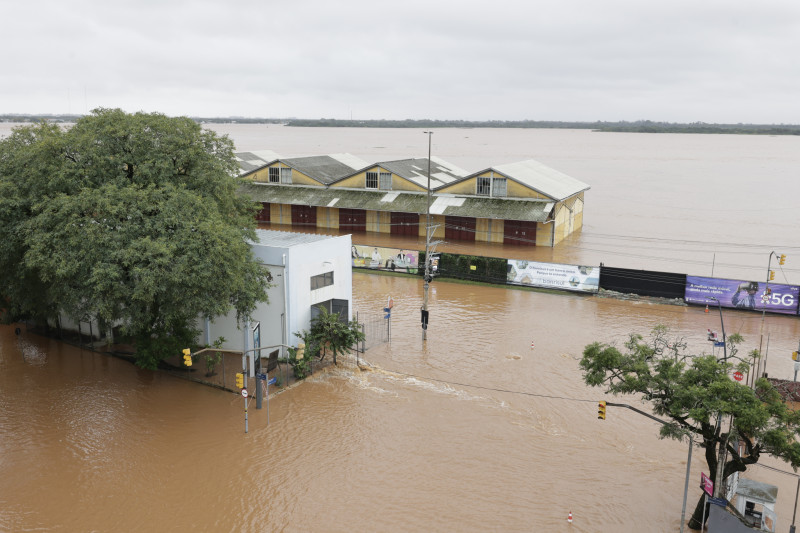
column 376, row 330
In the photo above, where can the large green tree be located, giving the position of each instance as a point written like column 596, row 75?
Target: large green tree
column 696, row 396
column 130, row 219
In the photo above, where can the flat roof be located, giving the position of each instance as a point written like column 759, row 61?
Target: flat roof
column 287, row 239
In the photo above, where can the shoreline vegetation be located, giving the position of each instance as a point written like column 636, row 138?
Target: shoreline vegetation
column 639, row 126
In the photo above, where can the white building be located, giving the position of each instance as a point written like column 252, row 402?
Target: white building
column 307, row 271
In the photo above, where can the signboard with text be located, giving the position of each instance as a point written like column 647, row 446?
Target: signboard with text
column 739, row 294
column 554, row 275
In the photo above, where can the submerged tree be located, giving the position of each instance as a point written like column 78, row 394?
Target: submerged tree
column 132, row 220
column 697, row 397
column 328, row 332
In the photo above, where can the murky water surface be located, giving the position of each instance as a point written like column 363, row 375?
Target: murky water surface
column 485, row 426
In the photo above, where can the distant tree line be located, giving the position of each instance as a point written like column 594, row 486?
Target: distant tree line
column 638, row 126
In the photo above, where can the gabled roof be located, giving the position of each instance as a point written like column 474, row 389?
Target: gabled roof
column 326, row 168
column 416, row 170
column 540, row 178
column 322, row 168
column 401, row 201
column 250, row 161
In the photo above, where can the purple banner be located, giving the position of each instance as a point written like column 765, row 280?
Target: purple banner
column 738, row 294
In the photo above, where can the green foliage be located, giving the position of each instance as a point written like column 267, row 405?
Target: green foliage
column 697, row 396
column 329, row 333
column 302, row 367
column 487, row 269
column 212, row 359
column 131, row 219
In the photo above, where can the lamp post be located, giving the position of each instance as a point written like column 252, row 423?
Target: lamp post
column 427, row 276
column 764, row 300
column 723, row 445
column 722, row 324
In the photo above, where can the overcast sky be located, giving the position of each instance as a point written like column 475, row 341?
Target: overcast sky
column 680, row 61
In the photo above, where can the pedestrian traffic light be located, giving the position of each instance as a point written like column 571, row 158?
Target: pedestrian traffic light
column 424, row 319
column 187, row 357
column 601, row 410
column 782, row 259
column 771, row 275
column 240, row 380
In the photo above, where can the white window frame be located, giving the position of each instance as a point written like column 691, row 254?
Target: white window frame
column 491, row 186
column 286, row 175
column 499, row 190
column 385, row 181
column 483, row 186
column 274, row 175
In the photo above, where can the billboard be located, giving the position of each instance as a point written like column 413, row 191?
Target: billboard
column 739, row 294
column 379, row 258
column 554, row 275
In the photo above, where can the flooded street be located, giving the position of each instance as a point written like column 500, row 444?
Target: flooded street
column 486, row 426
column 473, row 430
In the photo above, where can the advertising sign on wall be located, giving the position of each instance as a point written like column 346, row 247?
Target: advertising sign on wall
column 554, row 275
column 739, row 294
column 384, row 258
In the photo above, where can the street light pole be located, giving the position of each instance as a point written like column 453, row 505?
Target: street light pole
column 764, row 300
column 722, row 445
column 427, row 277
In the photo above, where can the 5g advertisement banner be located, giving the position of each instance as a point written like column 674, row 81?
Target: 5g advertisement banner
column 554, row 275
column 739, row 294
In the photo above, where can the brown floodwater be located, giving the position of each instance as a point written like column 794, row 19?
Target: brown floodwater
column 487, row 425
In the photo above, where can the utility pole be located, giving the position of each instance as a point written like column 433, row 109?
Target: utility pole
column 723, row 445
column 427, row 276
column 764, row 300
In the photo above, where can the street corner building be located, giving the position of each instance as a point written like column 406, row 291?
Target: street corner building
column 308, row 271
column 524, row 203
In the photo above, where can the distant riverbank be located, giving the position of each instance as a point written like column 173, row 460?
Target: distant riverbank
column 639, row 126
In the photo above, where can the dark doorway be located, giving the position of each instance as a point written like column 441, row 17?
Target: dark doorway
column 263, row 215
column 354, row 220
column 459, row 228
column 520, row 232
column 304, row 216
column 405, row 224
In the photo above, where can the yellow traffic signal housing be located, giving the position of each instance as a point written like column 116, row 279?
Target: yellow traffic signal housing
column 782, row 259
column 187, row 357
column 794, row 356
column 601, row 410
column 771, row 275
column 240, row 380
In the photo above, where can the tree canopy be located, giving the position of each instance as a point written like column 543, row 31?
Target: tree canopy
column 696, row 395
column 129, row 219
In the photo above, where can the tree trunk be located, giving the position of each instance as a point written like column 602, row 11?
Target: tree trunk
column 697, row 515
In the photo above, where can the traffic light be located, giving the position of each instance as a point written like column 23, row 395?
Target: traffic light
column 782, row 259
column 187, row 357
column 240, row 380
column 601, row 410
column 794, row 356
column 771, row 275
column 424, row 319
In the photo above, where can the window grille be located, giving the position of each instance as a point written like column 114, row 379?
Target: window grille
column 372, row 180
